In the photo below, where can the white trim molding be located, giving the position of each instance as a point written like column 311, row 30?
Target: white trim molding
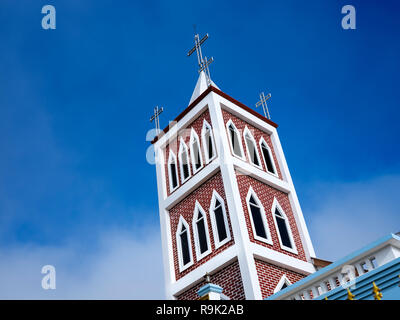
column 217, row 242
column 199, row 210
column 251, row 193
column 276, row 206
column 284, row 280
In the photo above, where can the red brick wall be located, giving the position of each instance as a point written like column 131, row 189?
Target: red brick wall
column 269, row 276
column 266, row 194
column 185, row 208
column 197, row 125
column 257, row 134
column 228, row 278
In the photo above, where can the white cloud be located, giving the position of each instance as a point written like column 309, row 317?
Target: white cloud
column 122, row 267
column 344, row 217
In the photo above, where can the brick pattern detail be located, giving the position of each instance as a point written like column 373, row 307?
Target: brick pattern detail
column 266, row 194
column 228, row 278
column 197, row 125
column 185, row 208
column 269, row 275
column 257, row 134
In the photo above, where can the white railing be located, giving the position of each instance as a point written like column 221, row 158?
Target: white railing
column 343, row 273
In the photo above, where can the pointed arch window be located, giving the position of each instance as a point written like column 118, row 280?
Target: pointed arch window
column 283, row 228
column 172, row 171
column 200, row 232
column 195, row 152
column 258, row 218
column 235, row 139
column 251, row 147
column 184, row 245
column 208, row 142
column 267, row 156
column 219, row 220
column 184, row 161
column 282, row 284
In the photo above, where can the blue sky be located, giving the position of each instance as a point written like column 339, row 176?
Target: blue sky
column 75, row 188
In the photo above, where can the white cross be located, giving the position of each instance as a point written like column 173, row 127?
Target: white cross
column 263, row 103
column 156, row 118
column 203, row 62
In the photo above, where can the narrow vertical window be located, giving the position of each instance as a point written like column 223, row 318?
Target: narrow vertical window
column 219, row 221
column 184, row 162
column 195, row 151
column 208, row 141
column 172, row 170
column 258, row 218
column 251, row 148
column 235, row 140
column 266, row 152
column 184, row 245
column 200, row 231
column 283, row 228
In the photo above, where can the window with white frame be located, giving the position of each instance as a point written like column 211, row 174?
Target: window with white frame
column 258, row 218
column 235, row 139
column 208, row 142
column 195, row 152
column 251, row 148
column 200, row 232
column 267, row 156
column 172, row 171
column 219, row 220
column 184, row 161
column 282, row 284
column 184, row 245
column 283, row 228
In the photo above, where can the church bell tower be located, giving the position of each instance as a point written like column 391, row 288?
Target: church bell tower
column 228, row 207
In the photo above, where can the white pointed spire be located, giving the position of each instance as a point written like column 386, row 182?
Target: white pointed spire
column 201, row 86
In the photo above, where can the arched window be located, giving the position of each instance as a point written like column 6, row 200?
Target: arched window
column 282, row 284
column 172, row 171
column 195, row 152
column 235, row 139
column 251, row 148
column 200, row 231
column 283, row 228
column 267, row 156
column 219, row 220
column 258, row 218
column 184, row 245
column 184, row 161
column 208, row 142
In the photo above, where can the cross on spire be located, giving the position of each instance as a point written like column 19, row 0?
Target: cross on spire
column 263, row 103
column 203, row 62
column 156, row 118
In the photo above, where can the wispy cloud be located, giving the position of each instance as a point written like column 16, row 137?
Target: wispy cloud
column 343, row 217
column 122, row 267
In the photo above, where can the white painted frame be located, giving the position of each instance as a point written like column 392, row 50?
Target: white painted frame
column 182, row 222
column 218, row 243
column 250, row 193
column 206, row 126
column 276, row 205
column 282, row 281
column 194, row 137
column 199, row 209
column 170, row 157
column 246, row 131
column 239, row 136
column 183, row 148
column 261, row 142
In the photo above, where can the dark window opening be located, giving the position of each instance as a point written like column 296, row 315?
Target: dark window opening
column 201, row 230
column 173, row 175
column 235, row 141
column 252, row 151
column 220, row 221
column 185, row 246
column 257, row 218
column 283, row 231
column 267, row 158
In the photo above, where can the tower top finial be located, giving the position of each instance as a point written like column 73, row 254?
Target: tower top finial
column 203, row 62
